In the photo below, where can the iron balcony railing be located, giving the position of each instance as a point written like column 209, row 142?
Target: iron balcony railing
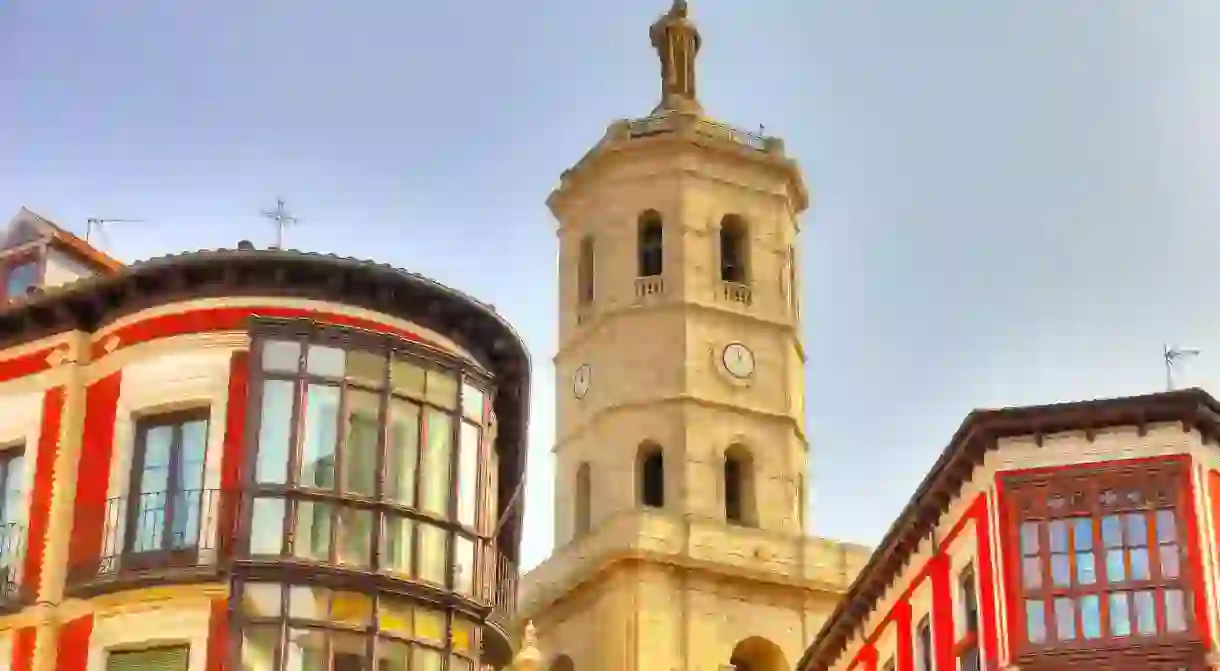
column 503, row 590
column 12, row 561
column 154, row 534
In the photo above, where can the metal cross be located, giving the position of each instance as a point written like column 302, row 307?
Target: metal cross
column 282, row 219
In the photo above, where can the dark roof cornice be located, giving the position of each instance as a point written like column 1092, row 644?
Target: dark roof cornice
column 978, row 434
column 94, row 302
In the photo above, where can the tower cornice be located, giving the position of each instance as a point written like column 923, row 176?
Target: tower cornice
column 626, row 139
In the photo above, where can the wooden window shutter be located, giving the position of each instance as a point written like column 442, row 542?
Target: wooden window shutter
column 156, row 659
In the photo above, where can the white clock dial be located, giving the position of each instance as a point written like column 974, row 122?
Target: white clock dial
column 738, row 360
column 580, row 381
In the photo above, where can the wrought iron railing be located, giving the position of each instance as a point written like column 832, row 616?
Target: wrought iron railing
column 12, row 560
column 154, row 533
column 503, row 590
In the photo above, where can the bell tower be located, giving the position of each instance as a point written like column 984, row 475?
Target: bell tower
column 681, row 453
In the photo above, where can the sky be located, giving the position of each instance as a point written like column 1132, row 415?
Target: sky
column 1015, row 201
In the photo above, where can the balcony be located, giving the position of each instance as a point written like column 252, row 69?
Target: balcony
column 13, row 595
column 649, row 287
column 503, row 591
column 156, row 538
column 736, row 292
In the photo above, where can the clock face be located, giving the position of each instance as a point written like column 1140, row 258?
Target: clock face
column 580, row 381
column 738, row 360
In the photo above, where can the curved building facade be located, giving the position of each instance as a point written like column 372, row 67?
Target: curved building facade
column 258, row 460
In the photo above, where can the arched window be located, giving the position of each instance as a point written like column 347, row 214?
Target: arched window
column 584, row 486
column 585, row 271
column 733, row 250
column 739, row 505
column 651, row 469
column 562, row 663
column 651, row 244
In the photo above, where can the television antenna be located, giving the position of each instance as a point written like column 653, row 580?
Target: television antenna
column 1171, row 356
column 282, row 220
column 96, row 225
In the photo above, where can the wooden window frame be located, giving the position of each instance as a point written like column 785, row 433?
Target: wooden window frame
column 1076, row 492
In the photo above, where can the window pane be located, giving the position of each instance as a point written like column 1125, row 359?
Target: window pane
column 321, row 433
column 1145, row 613
column 1058, row 532
column 1065, row 619
column 407, row 378
column 350, row 651
column 275, row 430
column 463, row 565
column 402, row 452
column 396, row 545
column 1111, row 531
column 258, row 647
column 308, row 603
column 1170, row 561
column 472, row 403
column 1116, row 571
column 325, row 361
column 426, row 659
column 442, row 388
column 395, row 616
column 1137, row 529
column 1166, row 531
column 432, row 562
column 1061, row 570
column 360, row 443
column 468, row 465
column 1139, row 564
column 1120, row 614
column 1090, row 616
column 21, row 278
column 1175, row 610
column 282, row 356
column 1086, row 568
column 267, row 526
column 351, row 608
column 366, row 368
column 355, row 541
column 1082, row 532
column 307, row 650
column 1029, row 538
column 430, row 625
column 261, row 599
column 1035, row 621
column 1033, row 572
column 312, row 538
column 465, row 636
column 13, row 511
column 392, row 655
column 154, row 476
column 434, row 495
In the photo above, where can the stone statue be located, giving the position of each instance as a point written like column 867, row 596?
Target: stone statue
column 677, row 42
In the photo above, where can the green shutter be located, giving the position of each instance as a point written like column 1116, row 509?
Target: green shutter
column 157, row 659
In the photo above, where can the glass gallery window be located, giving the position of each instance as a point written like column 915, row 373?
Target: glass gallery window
column 1102, row 557
column 369, row 455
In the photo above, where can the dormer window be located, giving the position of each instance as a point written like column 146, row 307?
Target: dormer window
column 20, row 277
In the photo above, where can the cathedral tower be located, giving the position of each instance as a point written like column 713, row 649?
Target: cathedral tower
column 681, row 454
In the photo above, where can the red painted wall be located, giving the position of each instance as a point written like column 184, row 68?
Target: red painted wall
column 23, row 648
column 233, row 456
column 25, row 365
column 937, row 569
column 40, row 494
column 73, row 648
column 93, row 472
column 218, row 636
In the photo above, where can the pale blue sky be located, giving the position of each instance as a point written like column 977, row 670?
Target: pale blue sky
column 1015, row 201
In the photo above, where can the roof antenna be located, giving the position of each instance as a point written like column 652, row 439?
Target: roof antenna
column 1173, row 354
column 282, row 220
column 98, row 225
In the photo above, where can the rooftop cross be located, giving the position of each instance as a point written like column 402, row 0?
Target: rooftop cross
column 282, row 219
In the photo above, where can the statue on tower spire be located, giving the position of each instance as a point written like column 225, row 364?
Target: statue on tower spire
column 677, row 42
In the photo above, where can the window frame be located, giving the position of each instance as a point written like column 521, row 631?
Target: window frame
column 923, row 645
column 381, row 509
column 968, row 599
column 18, row 260
column 650, row 245
column 1165, row 485
column 176, row 420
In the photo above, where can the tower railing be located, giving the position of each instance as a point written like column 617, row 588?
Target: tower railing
column 669, row 123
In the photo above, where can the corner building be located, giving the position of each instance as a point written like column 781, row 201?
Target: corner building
column 258, row 460
column 1071, row 536
column 681, row 448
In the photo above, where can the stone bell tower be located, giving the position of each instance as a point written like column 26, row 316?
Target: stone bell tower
column 681, row 453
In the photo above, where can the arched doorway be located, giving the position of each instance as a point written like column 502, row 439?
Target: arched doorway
column 758, row 654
